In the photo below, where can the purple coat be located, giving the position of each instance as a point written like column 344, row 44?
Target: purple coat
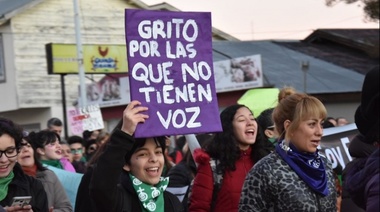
column 363, row 184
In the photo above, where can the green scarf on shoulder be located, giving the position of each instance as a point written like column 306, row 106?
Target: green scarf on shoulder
column 54, row 163
column 4, row 182
column 151, row 197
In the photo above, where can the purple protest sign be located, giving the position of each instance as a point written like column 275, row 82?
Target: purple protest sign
column 171, row 71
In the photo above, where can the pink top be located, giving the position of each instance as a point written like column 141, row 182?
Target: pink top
column 67, row 165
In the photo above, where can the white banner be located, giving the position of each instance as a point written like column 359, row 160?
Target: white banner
column 238, row 74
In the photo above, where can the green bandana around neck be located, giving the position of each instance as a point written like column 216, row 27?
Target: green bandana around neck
column 54, row 163
column 151, row 197
column 272, row 140
column 4, row 182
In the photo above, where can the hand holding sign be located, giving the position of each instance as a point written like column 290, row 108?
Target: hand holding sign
column 132, row 115
column 171, row 70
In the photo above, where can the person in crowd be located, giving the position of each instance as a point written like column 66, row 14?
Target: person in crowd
column 264, row 120
column 328, row 123
column 341, row 121
column 66, row 151
column 90, row 135
column 77, row 150
column 177, row 154
column 361, row 179
column 168, row 160
column 83, row 202
column 295, row 177
column 338, row 183
column 359, row 151
column 56, row 194
column 332, row 121
column 55, row 125
column 131, row 167
column 102, row 137
column 236, row 149
column 13, row 181
column 90, row 148
column 49, row 151
column 183, row 173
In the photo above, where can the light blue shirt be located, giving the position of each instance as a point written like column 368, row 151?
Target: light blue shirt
column 70, row 182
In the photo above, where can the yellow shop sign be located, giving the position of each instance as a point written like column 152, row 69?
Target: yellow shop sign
column 97, row 59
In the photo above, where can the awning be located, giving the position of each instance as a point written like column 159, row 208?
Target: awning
column 259, row 99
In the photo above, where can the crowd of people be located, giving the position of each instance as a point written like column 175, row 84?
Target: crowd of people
column 268, row 162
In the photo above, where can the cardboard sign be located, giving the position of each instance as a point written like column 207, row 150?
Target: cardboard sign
column 171, row 71
column 85, row 118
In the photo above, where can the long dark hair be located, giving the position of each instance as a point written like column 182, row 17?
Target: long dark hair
column 39, row 165
column 102, row 147
column 224, row 146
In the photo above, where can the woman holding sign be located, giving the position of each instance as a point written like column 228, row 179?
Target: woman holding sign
column 230, row 155
column 295, row 177
column 127, row 176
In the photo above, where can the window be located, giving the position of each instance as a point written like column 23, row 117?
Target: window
column 2, row 61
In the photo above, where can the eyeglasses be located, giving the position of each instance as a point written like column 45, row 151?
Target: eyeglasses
column 9, row 153
column 76, row 151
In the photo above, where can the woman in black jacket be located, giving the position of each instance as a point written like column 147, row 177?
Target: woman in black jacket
column 128, row 175
column 13, row 181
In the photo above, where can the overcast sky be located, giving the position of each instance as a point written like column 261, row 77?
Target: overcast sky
column 274, row 19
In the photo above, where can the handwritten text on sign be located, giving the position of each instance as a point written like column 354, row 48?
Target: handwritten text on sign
column 171, row 71
column 85, row 118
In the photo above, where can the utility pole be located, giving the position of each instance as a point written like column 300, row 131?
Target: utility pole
column 82, row 85
column 305, row 67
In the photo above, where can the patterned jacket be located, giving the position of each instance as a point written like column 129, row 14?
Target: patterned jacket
column 272, row 185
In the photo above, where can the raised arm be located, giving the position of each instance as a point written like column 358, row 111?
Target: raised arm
column 103, row 184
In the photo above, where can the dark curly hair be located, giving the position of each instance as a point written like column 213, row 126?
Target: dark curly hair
column 224, row 146
column 42, row 138
column 12, row 129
